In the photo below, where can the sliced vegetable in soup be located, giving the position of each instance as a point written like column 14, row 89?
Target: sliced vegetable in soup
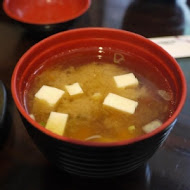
column 100, row 102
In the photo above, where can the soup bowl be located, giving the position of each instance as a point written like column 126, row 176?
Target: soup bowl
column 95, row 159
column 45, row 15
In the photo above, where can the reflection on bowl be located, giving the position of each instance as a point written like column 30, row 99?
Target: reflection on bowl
column 91, row 158
column 45, row 14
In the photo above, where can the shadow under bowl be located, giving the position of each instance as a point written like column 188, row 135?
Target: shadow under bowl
column 92, row 159
column 45, row 16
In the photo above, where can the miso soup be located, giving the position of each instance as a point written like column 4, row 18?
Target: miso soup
column 89, row 119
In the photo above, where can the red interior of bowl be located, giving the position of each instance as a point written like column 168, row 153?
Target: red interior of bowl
column 150, row 57
column 45, row 11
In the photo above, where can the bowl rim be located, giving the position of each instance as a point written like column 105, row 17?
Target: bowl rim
column 166, row 124
column 13, row 16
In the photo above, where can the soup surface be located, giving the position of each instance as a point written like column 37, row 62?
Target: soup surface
column 89, row 119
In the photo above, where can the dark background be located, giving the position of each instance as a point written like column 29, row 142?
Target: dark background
column 22, row 166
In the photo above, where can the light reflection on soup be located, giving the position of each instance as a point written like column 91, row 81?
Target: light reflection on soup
column 88, row 119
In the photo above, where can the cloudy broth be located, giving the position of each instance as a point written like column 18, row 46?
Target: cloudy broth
column 89, row 119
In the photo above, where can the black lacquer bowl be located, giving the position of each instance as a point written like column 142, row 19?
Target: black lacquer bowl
column 89, row 158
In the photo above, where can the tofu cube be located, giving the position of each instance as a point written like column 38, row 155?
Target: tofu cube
column 32, row 116
column 49, row 95
column 126, row 80
column 120, row 103
column 57, row 122
column 74, row 89
column 131, row 128
column 152, row 126
column 96, row 96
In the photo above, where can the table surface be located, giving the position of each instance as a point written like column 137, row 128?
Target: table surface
column 22, row 166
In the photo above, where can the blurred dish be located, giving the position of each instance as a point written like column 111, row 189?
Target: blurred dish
column 45, row 15
column 45, row 11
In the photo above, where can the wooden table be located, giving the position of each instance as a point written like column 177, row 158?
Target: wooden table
column 22, row 166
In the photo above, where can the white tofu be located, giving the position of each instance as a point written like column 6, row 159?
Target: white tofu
column 74, row 89
column 120, row 103
column 57, row 122
column 126, row 80
column 50, row 95
column 165, row 95
column 96, row 96
column 131, row 128
column 152, row 126
column 32, row 116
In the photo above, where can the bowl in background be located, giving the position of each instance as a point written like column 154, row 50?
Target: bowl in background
column 45, row 15
column 3, row 103
column 4, row 128
column 89, row 158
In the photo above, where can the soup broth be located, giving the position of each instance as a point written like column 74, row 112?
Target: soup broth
column 89, row 119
